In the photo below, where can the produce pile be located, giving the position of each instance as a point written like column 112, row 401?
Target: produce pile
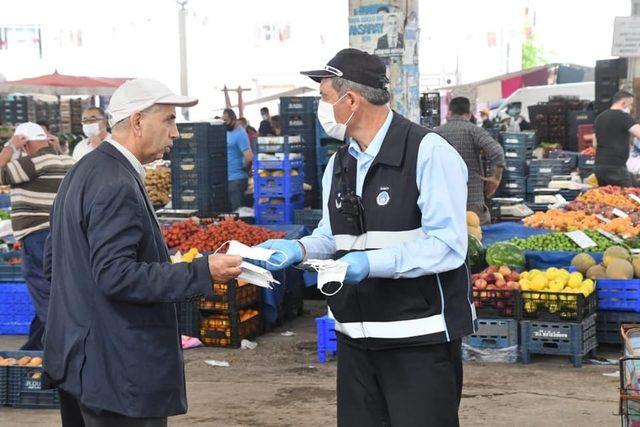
column 556, row 280
column 617, row 263
column 4, row 214
column 473, row 225
column 493, row 289
column 558, row 220
column 28, row 361
column 189, row 234
column 276, row 173
column 158, row 184
column 560, row 242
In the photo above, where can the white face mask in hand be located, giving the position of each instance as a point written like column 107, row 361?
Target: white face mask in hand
column 255, row 252
column 327, row 119
column 252, row 273
column 329, row 271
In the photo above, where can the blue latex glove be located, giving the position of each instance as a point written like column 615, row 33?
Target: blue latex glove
column 358, row 269
column 291, row 248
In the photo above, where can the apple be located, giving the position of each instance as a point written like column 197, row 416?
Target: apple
column 491, row 278
column 501, row 283
column 480, row 284
column 491, row 269
column 504, row 270
column 515, row 276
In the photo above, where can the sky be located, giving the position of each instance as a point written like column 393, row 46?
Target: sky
column 263, row 44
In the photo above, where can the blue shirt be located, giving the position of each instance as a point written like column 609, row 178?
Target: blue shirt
column 237, row 144
column 441, row 176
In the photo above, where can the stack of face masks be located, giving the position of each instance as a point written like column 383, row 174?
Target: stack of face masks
column 331, row 274
column 252, row 273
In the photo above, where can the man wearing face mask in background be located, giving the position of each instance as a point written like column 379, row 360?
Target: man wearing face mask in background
column 94, row 126
column 265, row 125
column 614, row 128
column 238, row 153
column 406, row 299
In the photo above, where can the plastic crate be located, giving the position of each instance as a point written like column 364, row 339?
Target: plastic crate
column 536, row 181
column 298, row 104
column 496, row 302
column 285, row 163
column 516, row 185
column 618, row 295
column 494, row 333
column 586, row 162
column 608, row 325
column 229, row 297
column 198, row 139
column 23, row 390
column 279, row 144
column 515, row 168
column 327, row 147
column 555, row 306
column 5, row 201
column 188, row 318
column 16, row 309
column 222, row 330
column 558, row 338
column 521, row 153
column 211, row 171
column 298, row 124
column 273, row 186
column 518, row 139
column 206, row 200
column 308, row 217
column 548, row 167
column 570, row 158
column 277, row 210
column 327, row 341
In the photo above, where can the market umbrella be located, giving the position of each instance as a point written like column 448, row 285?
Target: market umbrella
column 60, row 84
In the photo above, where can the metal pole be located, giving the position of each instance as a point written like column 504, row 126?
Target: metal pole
column 182, row 28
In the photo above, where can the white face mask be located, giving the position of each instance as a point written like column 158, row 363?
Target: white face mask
column 627, row 110
column 329, row 271
column 327, row 118
column 252, row 273
column 91, row 130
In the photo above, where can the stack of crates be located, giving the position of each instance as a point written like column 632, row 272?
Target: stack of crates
column 21, row 385
column 518, row 150
column 17, row 109
column 557, row 323
column 494, row 334
column 541, row 173
column 327, row 344
column 298, row 118
column 199, row 169
column 233, row 314
column 325, row 148
column 49, row 112
column 16, row 309
column 618, row 303
column 278, row 179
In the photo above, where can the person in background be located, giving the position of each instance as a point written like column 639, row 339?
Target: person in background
column 251, row 132
column 471, row 142
column 34, row 181
column 94, row 126
column 473, row 119
column 265, row 128
column 523, row 124
column 486, row 120
column 54, row 141
column 238, row 153
column 275, row 125
column 614, row 129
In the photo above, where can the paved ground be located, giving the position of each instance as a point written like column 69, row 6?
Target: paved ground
column 280, row 383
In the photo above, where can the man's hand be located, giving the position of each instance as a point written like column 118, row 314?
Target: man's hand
column 224, row 267
column 491, row 185
column 358, row 269
column 17, row 142
column 55, row 143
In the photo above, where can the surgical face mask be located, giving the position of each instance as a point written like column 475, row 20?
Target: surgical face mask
column 330, row 272
column 255, row 253
column 252, row 273
column 327, row 118
column 627, row 110
column 92, row 129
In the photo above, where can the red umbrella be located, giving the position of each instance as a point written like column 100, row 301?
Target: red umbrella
column 61, row 84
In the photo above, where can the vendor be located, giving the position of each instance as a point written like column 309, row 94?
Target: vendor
column 94, row 126
column 239, row 156
column 34, row 181
column 472, row 143
column 402, row 233
column 614, row 128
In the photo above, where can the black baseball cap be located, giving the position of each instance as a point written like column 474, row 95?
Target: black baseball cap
column 356, row 66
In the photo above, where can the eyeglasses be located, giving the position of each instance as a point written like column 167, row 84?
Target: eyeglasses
column 91, row 120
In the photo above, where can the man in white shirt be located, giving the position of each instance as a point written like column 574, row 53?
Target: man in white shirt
column 94, row 126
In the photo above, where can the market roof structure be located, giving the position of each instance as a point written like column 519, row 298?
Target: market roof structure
column 60, row 84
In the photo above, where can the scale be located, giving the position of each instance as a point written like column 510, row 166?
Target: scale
column 512, row 207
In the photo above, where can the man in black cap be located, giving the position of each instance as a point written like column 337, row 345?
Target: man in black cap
column 394, row 203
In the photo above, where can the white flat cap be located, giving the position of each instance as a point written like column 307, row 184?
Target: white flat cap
column 32, row 131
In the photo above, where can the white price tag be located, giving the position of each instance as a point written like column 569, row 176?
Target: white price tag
column 560, row 199
column 634, row 198
column 617, row 212
column 603, row 218
column 610, row 236
column 581, row 239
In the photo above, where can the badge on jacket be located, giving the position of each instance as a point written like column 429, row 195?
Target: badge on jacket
column 383, row 198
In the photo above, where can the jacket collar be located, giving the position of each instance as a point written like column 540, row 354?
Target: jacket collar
column 108, row 149
column 394, row 143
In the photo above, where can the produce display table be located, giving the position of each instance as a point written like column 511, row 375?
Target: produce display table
column 504, row 231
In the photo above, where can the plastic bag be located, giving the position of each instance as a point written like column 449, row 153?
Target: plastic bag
column 490, row 355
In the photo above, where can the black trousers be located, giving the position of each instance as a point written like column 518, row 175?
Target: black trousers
column 405, row 387
column 613, row 175
column 76, row 415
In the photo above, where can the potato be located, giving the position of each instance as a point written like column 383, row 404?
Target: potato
column 36, row 361
column 37, row 376
column 24, row 360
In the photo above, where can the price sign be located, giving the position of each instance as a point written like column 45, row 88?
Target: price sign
column 617, row 212
column 634, row 198
column 610, row 236
column 581, row 239
column 603, row 218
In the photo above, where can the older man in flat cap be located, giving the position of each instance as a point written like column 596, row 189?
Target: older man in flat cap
column 112, row 345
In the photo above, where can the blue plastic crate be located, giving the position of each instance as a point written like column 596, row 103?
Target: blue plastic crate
column 536, row 181
column 586, row 162
column 286, row 164
column 514, row 185
column 327, row 147
column 23, row 390
column 279, row 144
column 16, row 309
column 494, row 333
column 277, row 210
column 298, row 104
column 327, row 344
column 558, row 338
column 5, row 201
column 517, row 152
column 608, row 325
column 520, row 139
column 303, row 124
column 618, row 295
column 278, row 186
column 516, row 168
column 548, row 167
column 569, row 157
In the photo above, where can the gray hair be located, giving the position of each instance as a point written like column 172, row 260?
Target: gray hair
column 372, row 95
column 123, row 124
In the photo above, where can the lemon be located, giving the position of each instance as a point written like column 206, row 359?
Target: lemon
column 534, row 273
column 539, row 282
column 555, row 286
column 575, row 280
column 524, row 275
